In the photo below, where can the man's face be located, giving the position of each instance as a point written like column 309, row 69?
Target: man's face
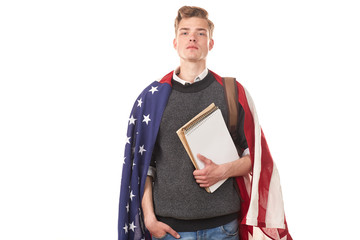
column 192, row 40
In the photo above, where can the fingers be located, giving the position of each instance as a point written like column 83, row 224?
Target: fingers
column 159, row 229
column 169, row 230
column 204, row 185
column 201, row 176
column 202, row 180
column 205, row 177
column 173, row 233
column 199, row 173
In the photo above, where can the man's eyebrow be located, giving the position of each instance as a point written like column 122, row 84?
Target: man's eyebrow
column 197, row 29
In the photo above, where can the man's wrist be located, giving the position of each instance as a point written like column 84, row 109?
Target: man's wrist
column 149, row 219
column 226, row 170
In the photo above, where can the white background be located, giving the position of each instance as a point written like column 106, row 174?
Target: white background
column 71, row 70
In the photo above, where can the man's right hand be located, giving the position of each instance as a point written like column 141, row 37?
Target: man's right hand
column 159, row 229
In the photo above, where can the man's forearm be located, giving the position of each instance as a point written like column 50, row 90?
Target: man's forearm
column 240, row 167
column 156, row 228
column 147, row 201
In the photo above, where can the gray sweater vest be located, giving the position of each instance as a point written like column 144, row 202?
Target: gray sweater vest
column 178, row 199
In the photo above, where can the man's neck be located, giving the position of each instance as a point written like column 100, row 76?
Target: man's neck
column 189, row 71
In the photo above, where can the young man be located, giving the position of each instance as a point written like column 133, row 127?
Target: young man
column 161, row 192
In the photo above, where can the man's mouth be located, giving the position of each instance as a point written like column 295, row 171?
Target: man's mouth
column 191, row 47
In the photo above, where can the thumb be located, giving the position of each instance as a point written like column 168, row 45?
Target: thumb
column 205, row 160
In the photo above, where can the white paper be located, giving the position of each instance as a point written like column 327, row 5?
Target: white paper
column 212, row 139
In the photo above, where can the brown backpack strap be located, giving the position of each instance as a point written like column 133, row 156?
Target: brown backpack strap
column 230, row 89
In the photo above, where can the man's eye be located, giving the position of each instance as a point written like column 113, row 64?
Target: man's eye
column 202, row 34
column 184, row 33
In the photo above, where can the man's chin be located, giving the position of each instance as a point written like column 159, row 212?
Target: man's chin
column 193, row 59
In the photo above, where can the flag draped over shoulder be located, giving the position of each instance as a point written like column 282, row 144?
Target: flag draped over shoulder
column 262, row 213
column 143, row 126
column 265, row 208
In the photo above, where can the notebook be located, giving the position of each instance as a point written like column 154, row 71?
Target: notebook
column 208, row 135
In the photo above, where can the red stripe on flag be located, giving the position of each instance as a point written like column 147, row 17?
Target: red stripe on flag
column 243, row 229
column 249, row 131
column 264, row 181
column 248, row 121
column 167, row 78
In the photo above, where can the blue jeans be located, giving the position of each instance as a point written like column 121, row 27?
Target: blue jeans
column 228, row 231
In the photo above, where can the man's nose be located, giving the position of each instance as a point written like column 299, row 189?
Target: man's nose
column 192, row 37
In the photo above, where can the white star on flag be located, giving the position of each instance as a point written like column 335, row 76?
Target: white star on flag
column 142, row 149
column 132, row 226
column 153, row 89
column 132, row 120
column 127, row 207
column 132, row 195
column 127, row 140
column 139, row 102
column 147, row 119
column 125, row 228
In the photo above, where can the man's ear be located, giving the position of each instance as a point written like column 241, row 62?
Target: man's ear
column 175, row 43
column 211, row 44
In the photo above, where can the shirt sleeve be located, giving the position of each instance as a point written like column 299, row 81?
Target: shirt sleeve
column 152, row 168
column 241, row 140
column 246, row 152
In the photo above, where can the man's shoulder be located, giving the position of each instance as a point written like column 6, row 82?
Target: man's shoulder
column 220, row 78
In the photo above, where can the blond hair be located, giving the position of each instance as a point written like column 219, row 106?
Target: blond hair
column 188, row 12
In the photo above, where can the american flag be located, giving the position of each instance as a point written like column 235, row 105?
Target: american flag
column 262, row 214
column 143, row 125
column 262, row 211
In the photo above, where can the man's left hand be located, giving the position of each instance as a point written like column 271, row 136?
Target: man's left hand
column 210, row 174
